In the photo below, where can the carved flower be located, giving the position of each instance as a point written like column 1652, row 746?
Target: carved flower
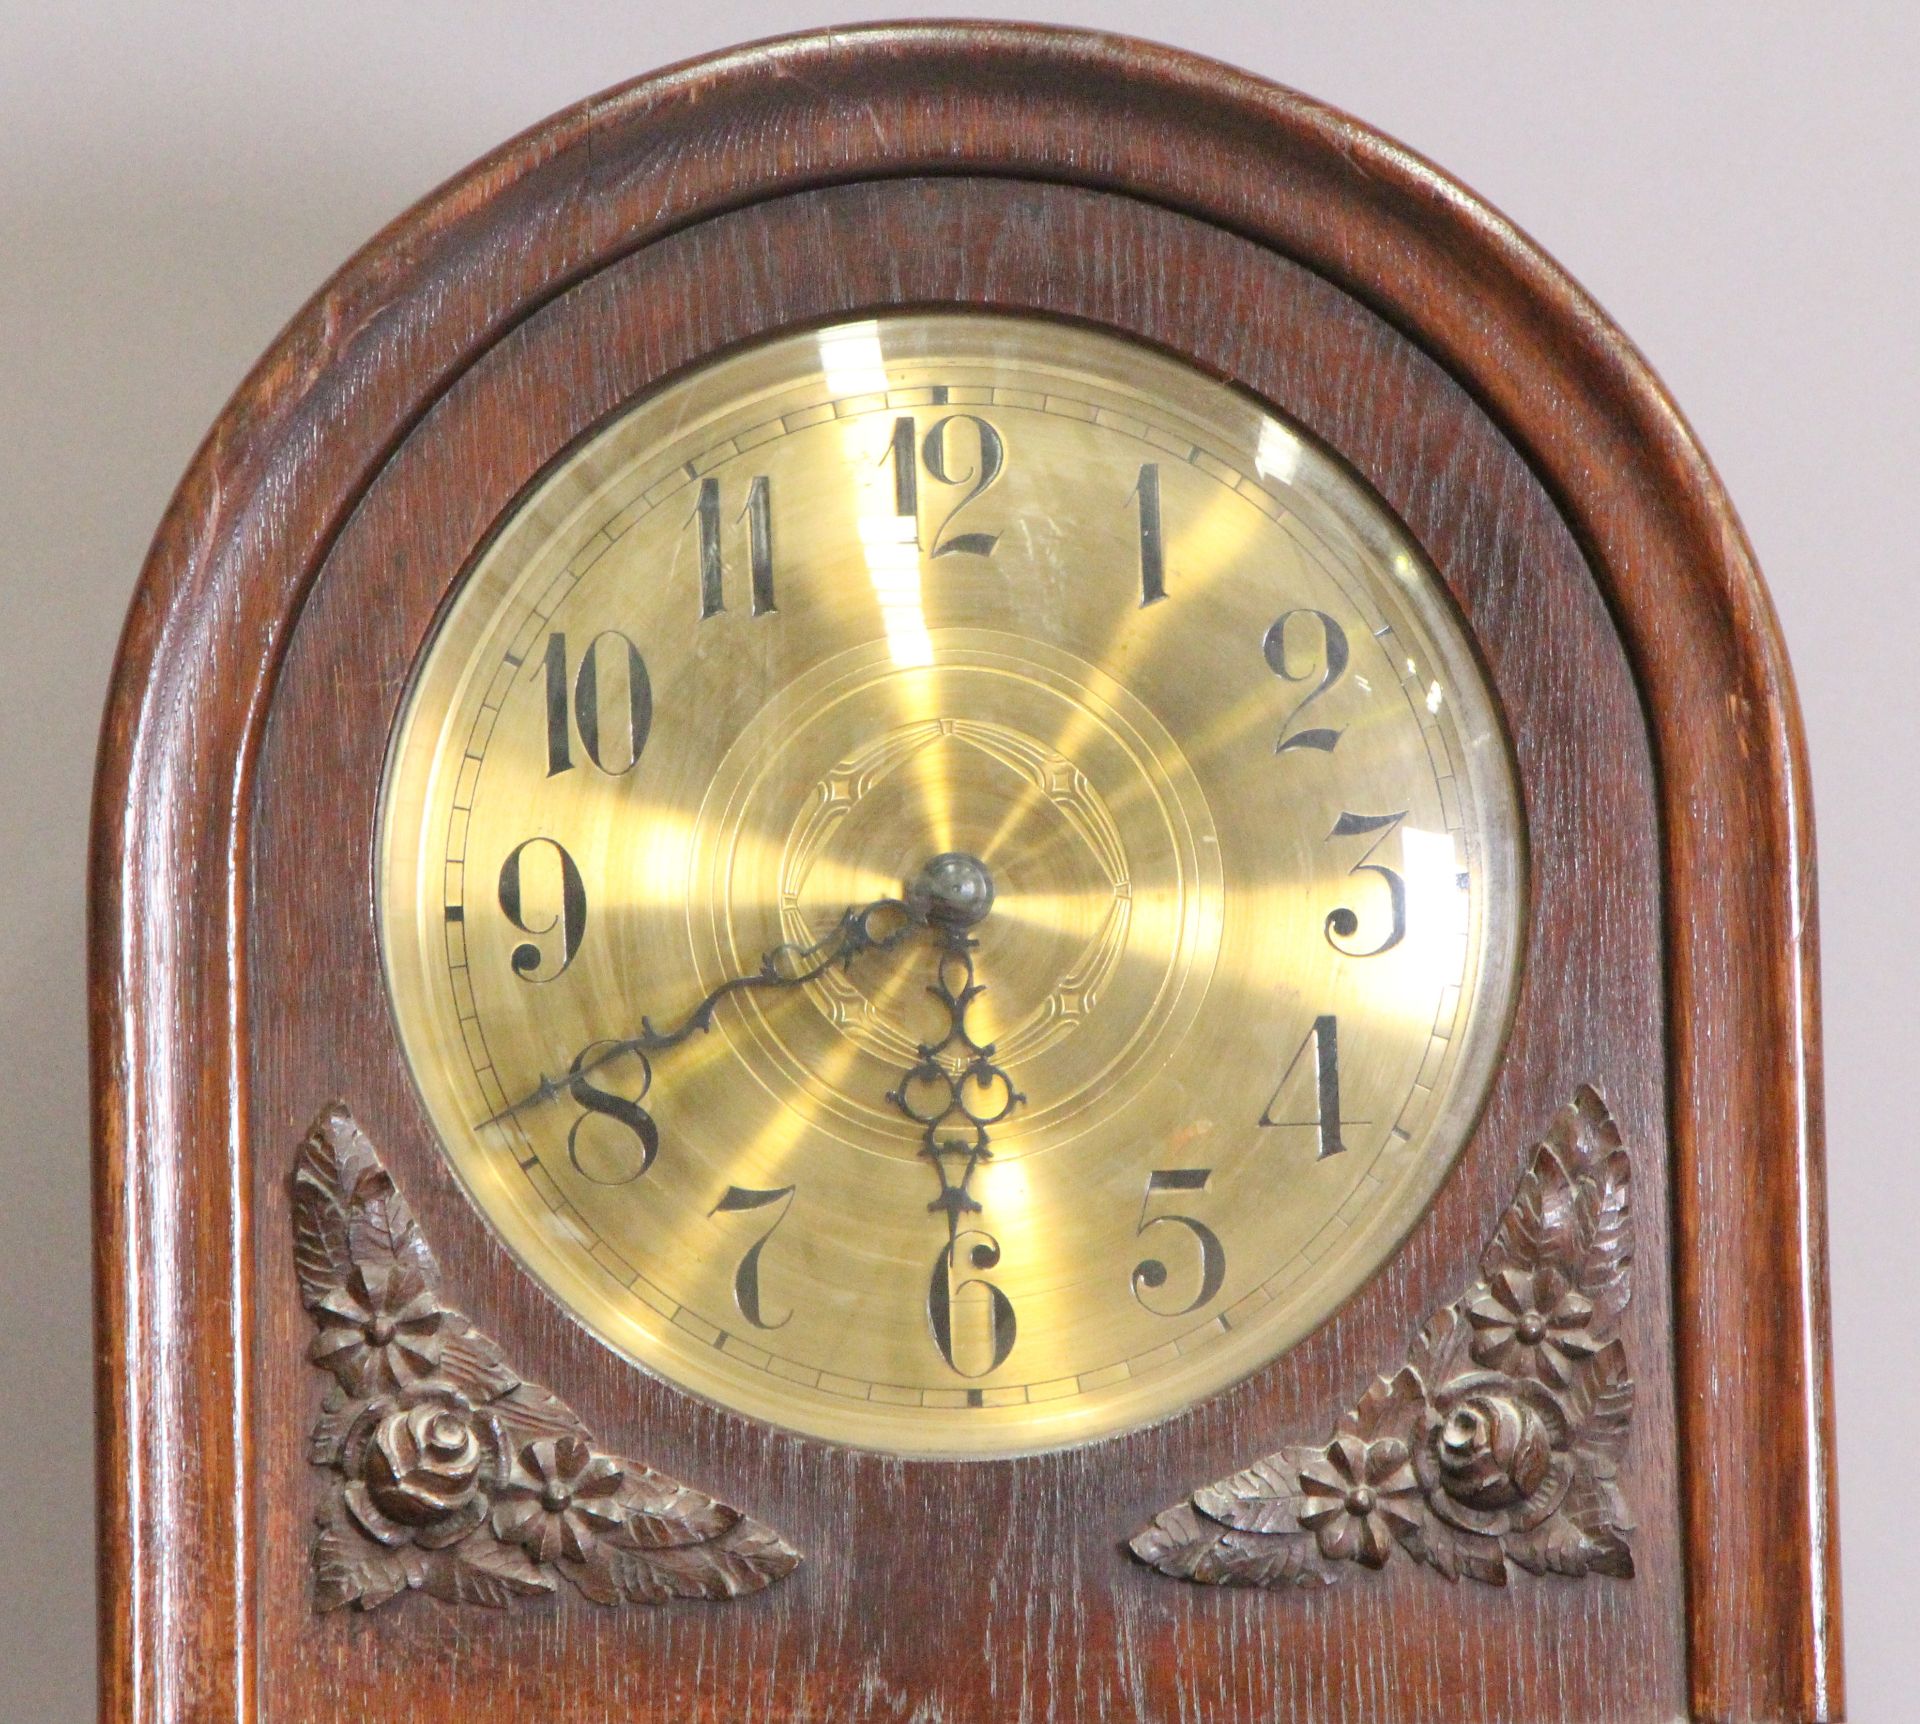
column 1531, row 1323
column 557, row 1497
column 381, row 1331
column 418, row 1472
column 1356, row 1495
column 1495, row 1458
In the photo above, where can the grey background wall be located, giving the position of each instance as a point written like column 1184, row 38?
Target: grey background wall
column 1739, row 185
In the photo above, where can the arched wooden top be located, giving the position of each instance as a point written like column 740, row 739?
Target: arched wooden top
column 297, row 446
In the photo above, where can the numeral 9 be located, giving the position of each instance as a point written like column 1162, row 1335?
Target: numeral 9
column 519, row 887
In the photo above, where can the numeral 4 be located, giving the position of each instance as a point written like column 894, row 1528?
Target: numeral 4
column 1321, row 1082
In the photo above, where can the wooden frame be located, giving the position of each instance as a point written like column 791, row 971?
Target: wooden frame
column 178, row 1142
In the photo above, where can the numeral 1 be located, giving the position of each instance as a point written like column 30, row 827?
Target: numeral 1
column 1153, row 566
column 758, row 514
column 1324, row 1038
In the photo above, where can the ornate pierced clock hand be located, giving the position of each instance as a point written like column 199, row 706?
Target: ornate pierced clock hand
column 786, row 965
column 954, row 1102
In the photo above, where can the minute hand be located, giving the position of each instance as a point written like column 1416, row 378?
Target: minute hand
column 787, row 965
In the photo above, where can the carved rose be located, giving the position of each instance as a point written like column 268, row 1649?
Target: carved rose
column 380, row 1331
column 1357, row 1495
column 1494, row 1458
column 419, row 1472
column 558, row 1497
column 1531, row 1323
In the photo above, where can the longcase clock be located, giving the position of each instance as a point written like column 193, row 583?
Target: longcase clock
column 957, row 873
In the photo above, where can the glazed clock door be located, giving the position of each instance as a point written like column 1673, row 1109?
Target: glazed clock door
column 951, row 884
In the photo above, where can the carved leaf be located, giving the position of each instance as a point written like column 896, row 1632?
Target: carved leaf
column 1555, row 1547
column 1440, row 1352
column 1392, row 1408
column 530, row 1412
column 1476, row 1453
column 476, row 1367
column 512, row 1491
column 1264, row 1498
column 1543, row 1224
column 337, row 1414
column 1600, row 1401
column 482, row 1570
column 347, row 1213
column 1606, row 1273
column 663, row 1514
column 320, row 1253
column 1456, row 1553
column 352, row 1570
column 744, row 1559
column 1184, row 1543
column 381, row 1229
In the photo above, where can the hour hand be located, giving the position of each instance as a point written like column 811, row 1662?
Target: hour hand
column 877, row 926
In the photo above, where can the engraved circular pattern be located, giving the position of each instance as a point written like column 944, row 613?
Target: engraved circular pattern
column 830, row 732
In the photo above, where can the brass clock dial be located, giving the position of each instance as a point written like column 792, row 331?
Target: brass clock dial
column 950, row 883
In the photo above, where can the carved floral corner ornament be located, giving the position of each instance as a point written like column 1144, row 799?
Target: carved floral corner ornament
column 1499, row 1439
column 450, row 1473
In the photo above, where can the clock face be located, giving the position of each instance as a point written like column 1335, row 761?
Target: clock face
column 950, row 883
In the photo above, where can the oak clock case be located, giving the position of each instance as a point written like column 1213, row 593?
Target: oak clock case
column 958, row 808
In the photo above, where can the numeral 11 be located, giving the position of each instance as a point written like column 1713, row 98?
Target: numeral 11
column 759, row 518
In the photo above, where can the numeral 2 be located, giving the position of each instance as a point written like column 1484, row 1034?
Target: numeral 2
column 1330, row 661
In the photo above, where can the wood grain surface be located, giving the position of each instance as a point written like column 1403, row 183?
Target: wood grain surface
column 1626, row 633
